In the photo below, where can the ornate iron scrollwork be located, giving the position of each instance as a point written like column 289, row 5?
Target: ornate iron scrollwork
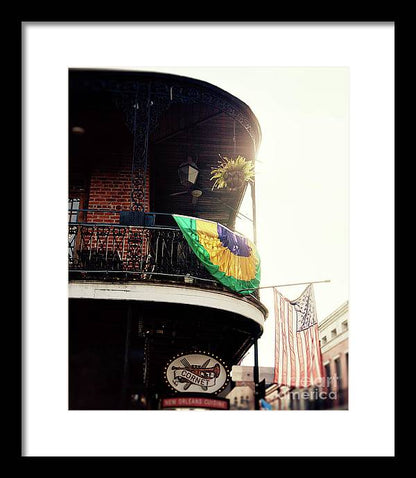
column 137, row 111
column 146, row 253
column 193, row 94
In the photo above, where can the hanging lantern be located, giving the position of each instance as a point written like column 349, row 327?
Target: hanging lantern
column 188, row 173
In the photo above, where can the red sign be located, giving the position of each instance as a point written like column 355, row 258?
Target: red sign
column 196, row 402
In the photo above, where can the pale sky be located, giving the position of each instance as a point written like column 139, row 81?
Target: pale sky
column 301, row 179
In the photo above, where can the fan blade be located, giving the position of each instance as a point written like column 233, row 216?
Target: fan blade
column 214, row 191
column 178, row 194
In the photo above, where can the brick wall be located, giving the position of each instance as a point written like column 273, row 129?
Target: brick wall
column 110, row 188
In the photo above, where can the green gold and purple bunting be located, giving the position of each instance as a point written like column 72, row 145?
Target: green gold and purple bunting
column 231, row 258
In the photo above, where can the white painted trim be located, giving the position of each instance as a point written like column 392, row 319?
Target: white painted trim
column 334, row 342
column 165, row 293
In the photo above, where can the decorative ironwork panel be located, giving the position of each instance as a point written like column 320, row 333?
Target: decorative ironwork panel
column 137, row 111
column 137, row 249
column 142, row 113
column 119, row 235
column 146, row 252
column 164, row 92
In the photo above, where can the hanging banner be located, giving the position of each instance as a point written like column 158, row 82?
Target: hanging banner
column 230, row 258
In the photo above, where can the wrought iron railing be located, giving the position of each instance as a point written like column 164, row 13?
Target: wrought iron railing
column 156, row 250
column 138, row 252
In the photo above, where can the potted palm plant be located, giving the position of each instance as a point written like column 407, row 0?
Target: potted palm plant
column 232, row 173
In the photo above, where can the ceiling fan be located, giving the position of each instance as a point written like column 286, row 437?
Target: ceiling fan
column 194, row 192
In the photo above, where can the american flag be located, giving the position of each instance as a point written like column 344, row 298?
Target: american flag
column 298, row 358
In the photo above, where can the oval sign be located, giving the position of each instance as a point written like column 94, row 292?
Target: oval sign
column 197, row 372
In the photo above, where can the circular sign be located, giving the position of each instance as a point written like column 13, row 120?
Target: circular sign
column 197, row 372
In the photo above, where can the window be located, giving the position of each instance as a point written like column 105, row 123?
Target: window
column 324, row 340
column 333, row 333
column 338, row 369
column 73, row 207
column 328, row 376
column 339, row 381
column 345, row 325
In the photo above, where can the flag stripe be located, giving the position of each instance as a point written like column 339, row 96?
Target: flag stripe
column 305, row 361
column 313, row 355
column 307, row 339
column 284, row 335
column 317, row 348
column 292, row 372
column 301, row 355
column 297, row 359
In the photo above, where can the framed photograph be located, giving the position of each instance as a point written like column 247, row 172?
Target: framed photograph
column 230, row 230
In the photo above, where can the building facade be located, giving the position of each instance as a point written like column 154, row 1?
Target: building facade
column 152, row 316
column 242, row 396
column 333, row 334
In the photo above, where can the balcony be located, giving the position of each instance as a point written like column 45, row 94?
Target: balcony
column 130, row 134
column 152, row 252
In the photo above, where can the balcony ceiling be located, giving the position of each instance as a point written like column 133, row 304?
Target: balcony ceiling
column 200, row 130
column 209, row 133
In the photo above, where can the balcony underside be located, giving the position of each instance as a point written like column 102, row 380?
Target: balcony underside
column 119, row 348
column 171, row 294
